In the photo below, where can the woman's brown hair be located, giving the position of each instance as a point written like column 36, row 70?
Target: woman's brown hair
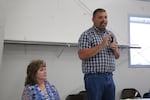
column 32, row 69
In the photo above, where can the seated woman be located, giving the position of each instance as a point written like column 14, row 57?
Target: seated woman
column 36, row 85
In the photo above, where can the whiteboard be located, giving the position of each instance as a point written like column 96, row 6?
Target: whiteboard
column 64, row 20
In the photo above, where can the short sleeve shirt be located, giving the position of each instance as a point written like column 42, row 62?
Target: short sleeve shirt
column 104, row 61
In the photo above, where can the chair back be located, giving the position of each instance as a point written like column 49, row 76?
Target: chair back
column 146, row 95
column 130, row 93
column 80, row 96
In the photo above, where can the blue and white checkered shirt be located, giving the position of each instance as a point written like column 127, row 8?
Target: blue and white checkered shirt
column 102, row 62
column 33, row 92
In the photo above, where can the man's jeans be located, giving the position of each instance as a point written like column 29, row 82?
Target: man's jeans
column 100, row 86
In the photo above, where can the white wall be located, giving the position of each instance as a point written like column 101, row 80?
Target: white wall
column 1, row 28
column 64, row 21
column 64, row 70
column 1, row 37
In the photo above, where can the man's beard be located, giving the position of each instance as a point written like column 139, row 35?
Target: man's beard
column 102, row 25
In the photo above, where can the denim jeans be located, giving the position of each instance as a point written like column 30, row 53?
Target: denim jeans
column 100, row 86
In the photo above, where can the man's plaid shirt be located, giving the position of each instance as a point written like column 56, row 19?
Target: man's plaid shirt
column 102, row 62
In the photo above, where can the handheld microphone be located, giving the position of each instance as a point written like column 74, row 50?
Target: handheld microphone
column 112, row 39
column 112, row 36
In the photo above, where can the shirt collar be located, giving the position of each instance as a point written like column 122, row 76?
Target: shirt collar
column 99, row 31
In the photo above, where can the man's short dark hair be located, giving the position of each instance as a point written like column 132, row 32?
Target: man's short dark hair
column 98, row 10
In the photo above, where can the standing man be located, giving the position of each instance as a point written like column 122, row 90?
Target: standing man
column 98, row 50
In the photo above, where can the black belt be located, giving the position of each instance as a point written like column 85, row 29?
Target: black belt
column 100, row 73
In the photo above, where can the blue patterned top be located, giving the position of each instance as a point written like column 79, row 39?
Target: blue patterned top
column 33, row 92
column 104, row 61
